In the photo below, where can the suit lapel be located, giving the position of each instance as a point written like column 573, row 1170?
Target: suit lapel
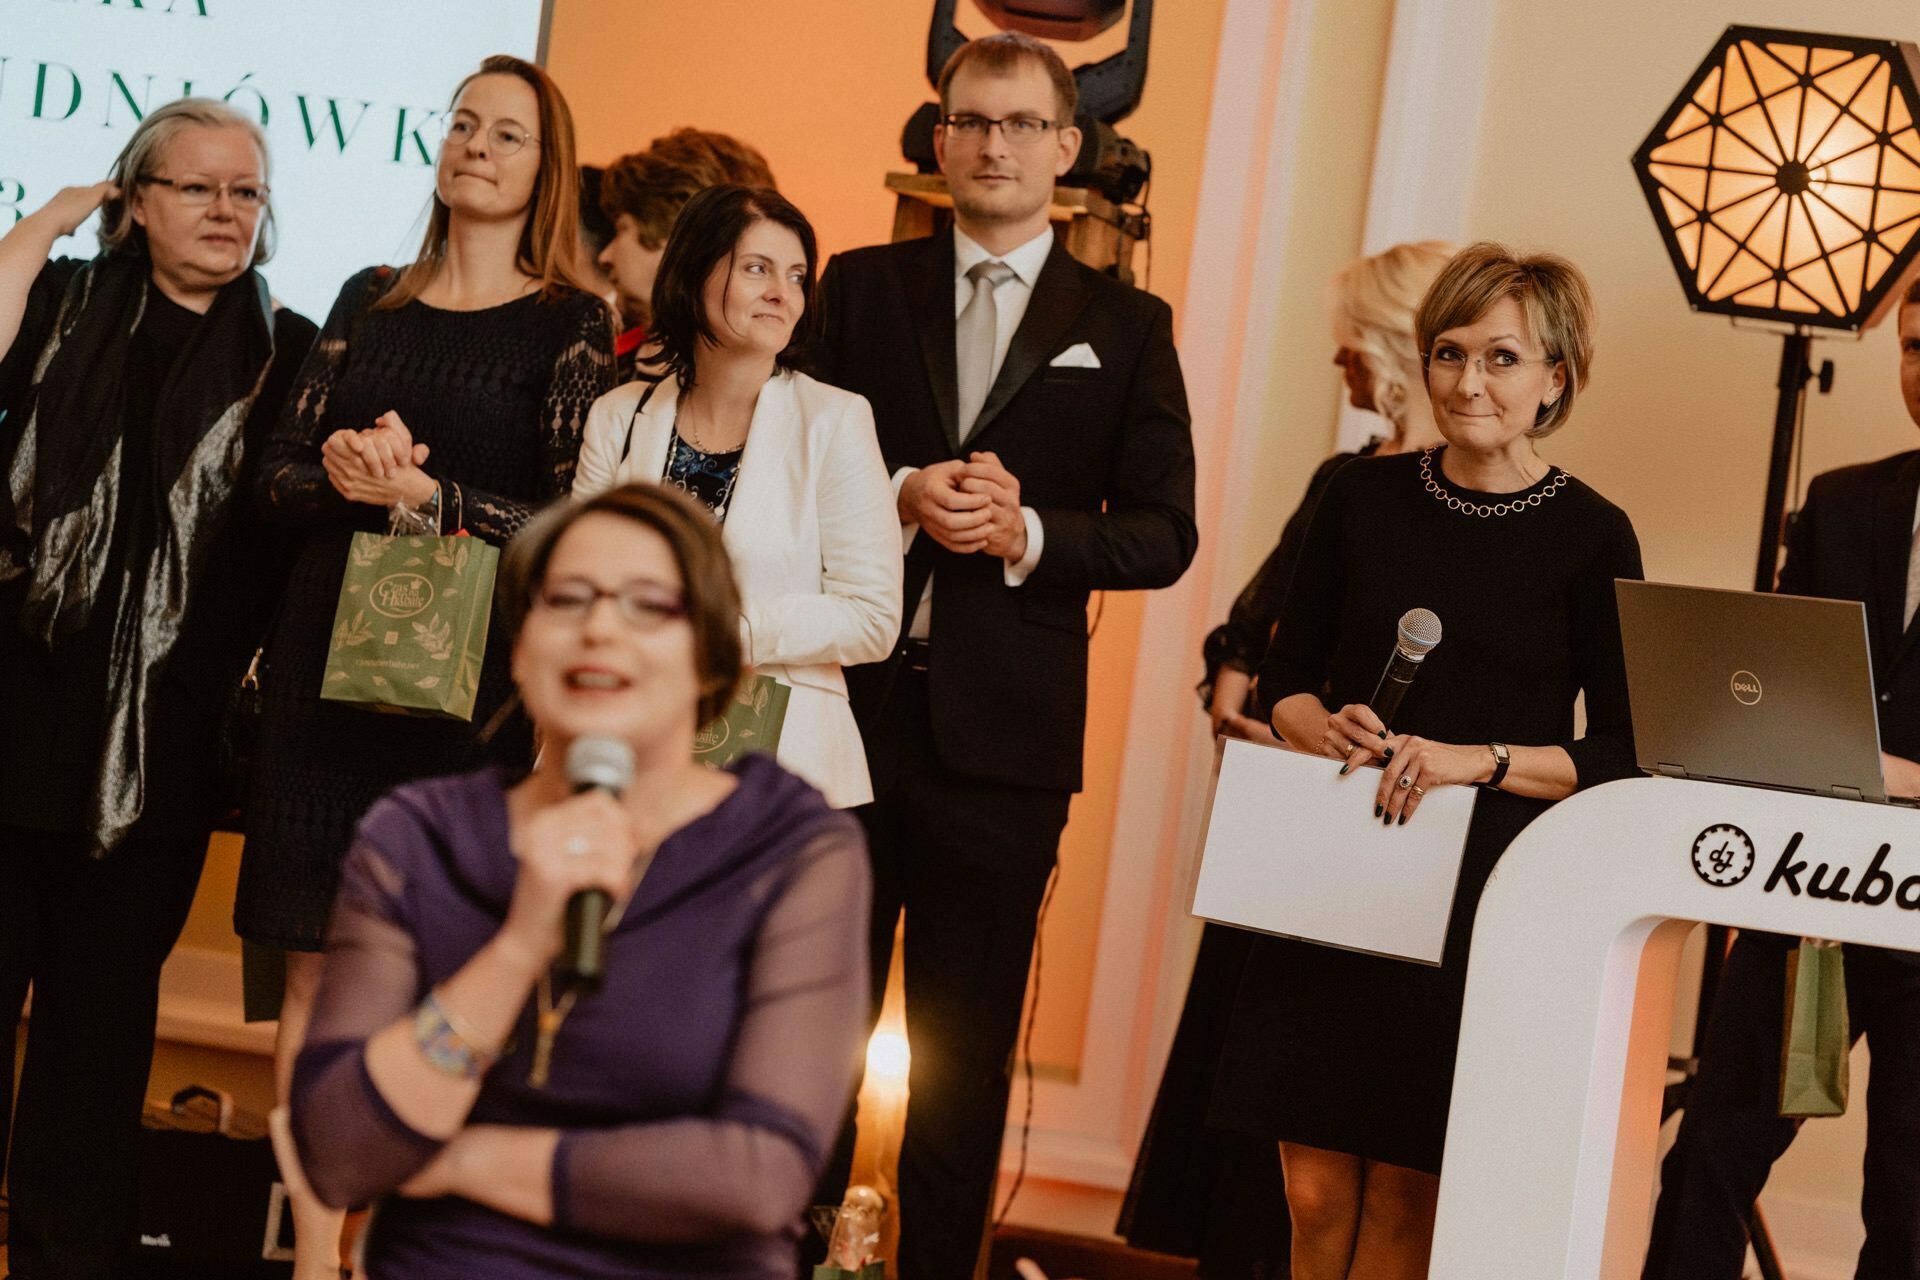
column 930, row 293
column 1058, row 298
column 1892, row 544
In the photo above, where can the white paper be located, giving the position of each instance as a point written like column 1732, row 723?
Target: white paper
column 1292, row 848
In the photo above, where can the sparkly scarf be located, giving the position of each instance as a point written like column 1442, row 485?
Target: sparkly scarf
column 63, row 509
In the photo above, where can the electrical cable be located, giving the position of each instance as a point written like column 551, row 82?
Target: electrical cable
column 1026, row 1046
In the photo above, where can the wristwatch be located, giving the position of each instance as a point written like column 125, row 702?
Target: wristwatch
column 1501, row 759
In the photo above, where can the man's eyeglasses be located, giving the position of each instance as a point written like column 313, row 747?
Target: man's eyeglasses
column 506, row 137
column 642, row 607
column 1015, row 129
column 194, row 193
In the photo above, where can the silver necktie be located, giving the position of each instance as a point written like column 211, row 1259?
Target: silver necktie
column 974, row 336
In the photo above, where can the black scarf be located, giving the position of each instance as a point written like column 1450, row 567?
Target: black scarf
column 63, row 507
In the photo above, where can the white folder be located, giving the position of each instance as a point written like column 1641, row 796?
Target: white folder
column 1292, row 848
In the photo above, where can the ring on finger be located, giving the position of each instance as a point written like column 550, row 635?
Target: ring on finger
column 1418, row 792
column 1406, row 780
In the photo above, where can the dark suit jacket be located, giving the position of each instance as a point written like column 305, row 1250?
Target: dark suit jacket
column 1104, row 456
column 1851, row 542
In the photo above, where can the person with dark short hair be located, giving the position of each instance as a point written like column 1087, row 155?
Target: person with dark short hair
column 642, row 194
column 1856, row 538
column 672, row 1123
column 596, row 231
column 788, row 466
column 1034, row 416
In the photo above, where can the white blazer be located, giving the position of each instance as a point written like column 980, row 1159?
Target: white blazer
column 814, row 537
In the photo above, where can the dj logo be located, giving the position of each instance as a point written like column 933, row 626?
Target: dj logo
column 1746, row 688
column 1723, row 855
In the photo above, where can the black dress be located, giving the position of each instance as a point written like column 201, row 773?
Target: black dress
column 1355, row 1053
column 500, row 397
column 1199, row 1191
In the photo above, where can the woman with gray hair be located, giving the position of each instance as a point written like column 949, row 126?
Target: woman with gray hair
column 135, row 389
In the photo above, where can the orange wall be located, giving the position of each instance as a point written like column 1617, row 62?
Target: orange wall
column 823, row 88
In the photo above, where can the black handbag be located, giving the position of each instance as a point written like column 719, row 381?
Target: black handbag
column 212, row 1206
column 239, row 745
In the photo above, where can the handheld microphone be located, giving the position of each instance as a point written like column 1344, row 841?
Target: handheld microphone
column 1419, row 635
column 593, row 764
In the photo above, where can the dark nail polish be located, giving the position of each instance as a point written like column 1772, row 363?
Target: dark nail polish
column 1343, row 768
column 1403, row 819
column 1383, row 735
column 1387, row 821
column 1389, row 754
column 1376, row 811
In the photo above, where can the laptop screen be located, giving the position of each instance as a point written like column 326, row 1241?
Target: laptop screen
column 1741, row 686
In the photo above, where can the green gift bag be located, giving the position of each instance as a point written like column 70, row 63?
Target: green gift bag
column 752, row 722
column 1815, row 1041
column 410, row 632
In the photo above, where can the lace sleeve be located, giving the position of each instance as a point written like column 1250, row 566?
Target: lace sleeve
column 748, row 1165
column 582, row 373
column 293, row 486
column 353, row 1147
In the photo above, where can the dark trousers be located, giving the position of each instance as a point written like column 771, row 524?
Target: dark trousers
column 89, row 937
column 1731, row 1132
column 968, row 862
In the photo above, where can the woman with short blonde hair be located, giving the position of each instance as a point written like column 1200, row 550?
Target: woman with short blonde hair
column 1347, row 1059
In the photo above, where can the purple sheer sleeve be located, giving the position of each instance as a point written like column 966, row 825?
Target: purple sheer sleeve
column 353, row 1147
column 749, row 1165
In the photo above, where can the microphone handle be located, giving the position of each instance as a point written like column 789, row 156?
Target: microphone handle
column 1393, row 686
column 583, row 962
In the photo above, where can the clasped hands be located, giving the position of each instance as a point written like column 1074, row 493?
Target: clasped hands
column 968, row 506
column 379, row 466
column 1413, row 765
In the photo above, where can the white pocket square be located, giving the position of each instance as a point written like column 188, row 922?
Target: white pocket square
column 1078, row 356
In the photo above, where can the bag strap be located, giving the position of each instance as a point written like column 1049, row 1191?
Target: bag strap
column 645, row 396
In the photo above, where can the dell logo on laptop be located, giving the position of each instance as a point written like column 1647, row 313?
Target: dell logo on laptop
column 1746, row 688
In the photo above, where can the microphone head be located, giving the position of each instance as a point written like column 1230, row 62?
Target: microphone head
column 603, row 763
column 1419, row 633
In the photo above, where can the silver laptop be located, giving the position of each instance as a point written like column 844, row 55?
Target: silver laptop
column 1738, row 686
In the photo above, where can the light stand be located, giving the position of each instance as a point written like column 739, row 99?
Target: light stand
column 1785, row 180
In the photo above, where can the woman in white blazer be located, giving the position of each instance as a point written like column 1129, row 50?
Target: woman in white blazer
column 789, row 466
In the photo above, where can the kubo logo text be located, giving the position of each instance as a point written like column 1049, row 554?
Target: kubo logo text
column 1723, row 855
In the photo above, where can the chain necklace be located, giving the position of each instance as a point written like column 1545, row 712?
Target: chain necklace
column 551, row 1014
column 1482, row 509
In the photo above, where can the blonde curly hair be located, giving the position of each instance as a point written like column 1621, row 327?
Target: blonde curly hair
column 1374, row 302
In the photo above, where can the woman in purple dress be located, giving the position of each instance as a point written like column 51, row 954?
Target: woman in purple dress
column 673, row 1124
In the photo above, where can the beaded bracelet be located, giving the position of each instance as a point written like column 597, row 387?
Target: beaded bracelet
column 445, row 1045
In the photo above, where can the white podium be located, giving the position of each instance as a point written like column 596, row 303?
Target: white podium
column 1556, row 1104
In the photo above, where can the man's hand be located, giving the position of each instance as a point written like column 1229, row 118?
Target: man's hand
column 1901, row 774
column 932, row 498
column 1007, row 528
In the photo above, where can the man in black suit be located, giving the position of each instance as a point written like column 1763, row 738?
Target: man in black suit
column 1857, row 538
column 1033, row 415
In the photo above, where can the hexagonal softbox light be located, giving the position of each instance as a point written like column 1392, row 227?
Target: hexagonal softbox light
column 1785, row 178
